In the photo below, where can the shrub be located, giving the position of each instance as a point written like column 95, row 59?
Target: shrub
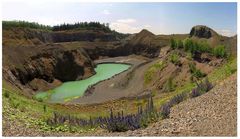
column 14, row 103
column 220, row 51
column 195, row 93
column 165, row 110
column 195, row 72
column 205, row 86
column 6, row 94
column 44, row 108
column 198, row 74
column 176, row 99
column 201, row 88
column 122, row 123
column 204, row 47
column 169, row 86
column 188, row 44
column 174, row 58
column 173, row 43
column 179, row 44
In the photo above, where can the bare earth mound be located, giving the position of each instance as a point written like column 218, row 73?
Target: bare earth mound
column 212, row 114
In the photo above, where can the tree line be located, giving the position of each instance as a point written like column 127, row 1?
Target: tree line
column 61, row 27
column 83, row 25
column 25, row 24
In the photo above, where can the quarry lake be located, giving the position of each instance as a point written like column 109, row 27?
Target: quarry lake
column 75, row 89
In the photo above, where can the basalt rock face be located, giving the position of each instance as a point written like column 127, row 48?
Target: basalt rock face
column 69, row 36
column 202, row 32
column 47, row 63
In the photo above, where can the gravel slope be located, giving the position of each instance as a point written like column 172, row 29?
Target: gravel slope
column 212, row 114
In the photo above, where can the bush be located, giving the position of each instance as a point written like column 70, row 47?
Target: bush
column 44, row 108
column 204, row 47
column 6, row 94
column 195, row 93
column 177, row 99
column 165, row 110
column 169, row 86
column 176, row 43
column 122, row 123
column 173, row 43
column 205, row 86
column 220, row 51
column 179, row 44
column 174, row 58
column 196, row 72
column 188, row 44
column 201, row 88
column 15, row 104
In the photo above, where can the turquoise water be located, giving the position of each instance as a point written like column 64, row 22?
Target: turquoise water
column 75, row 89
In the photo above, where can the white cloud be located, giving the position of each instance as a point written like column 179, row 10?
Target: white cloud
column 127, row 21
column 106, row 12
column 147, row 26
column 124, row 28
column 128, row 25
column 226, row 32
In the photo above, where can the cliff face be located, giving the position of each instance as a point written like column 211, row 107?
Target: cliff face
column 69, row 36
column 47, row 63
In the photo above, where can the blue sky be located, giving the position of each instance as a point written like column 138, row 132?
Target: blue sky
column 159, row 18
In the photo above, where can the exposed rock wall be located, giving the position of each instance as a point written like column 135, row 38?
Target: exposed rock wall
column 48, row 64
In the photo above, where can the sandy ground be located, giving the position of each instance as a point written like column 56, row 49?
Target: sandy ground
column 126, row 84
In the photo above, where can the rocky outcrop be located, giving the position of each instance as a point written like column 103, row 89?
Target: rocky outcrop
column 48, row 63
column 201, row 31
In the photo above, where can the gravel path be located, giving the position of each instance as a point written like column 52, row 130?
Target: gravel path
column 212, row 114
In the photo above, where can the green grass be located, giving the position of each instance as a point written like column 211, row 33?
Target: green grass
column 174, row 58
column 148, row 75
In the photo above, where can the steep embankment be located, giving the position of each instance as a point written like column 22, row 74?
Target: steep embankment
column 43, row 67
column 212, row 114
